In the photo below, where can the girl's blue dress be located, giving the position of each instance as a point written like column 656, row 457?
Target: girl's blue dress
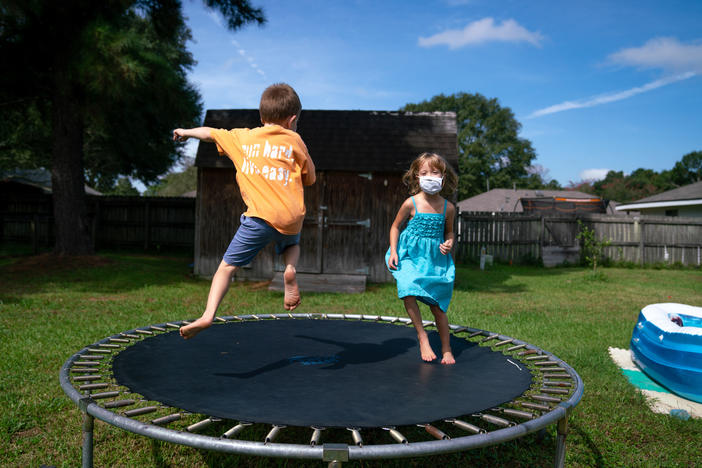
column 422, row 271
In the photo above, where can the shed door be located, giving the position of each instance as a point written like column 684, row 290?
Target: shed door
column 347, row 223
column 337, row 225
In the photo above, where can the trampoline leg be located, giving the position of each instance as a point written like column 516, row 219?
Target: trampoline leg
column 334, row 464
column 560, row 442
column 88, row 421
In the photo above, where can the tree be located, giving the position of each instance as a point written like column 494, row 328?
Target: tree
column 124, row 187
column 489, row 146
column 689, row 169
column 175, row 184
column 94, row 88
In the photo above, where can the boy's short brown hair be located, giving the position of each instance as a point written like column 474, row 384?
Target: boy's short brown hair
column 278, row 102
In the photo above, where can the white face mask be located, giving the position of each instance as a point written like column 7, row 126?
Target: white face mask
column 430, row 185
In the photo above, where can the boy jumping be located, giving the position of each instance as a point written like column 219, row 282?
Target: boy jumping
column 272, row 166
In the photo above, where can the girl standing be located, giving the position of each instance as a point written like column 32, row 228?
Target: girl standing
column 420, row 257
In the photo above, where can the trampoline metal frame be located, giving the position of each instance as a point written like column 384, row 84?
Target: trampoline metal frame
column 334, row 453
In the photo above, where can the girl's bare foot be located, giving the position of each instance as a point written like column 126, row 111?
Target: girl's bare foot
column 292, row 292
column 448, row 358
column 426, row 351
column 188, row 331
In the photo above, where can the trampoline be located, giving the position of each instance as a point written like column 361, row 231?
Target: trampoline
column 331, row 387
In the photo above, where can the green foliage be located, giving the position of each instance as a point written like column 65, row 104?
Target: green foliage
column 489, row 146
column 124, row 188
column 175, row 184
column 592, row 247
column 689, row 169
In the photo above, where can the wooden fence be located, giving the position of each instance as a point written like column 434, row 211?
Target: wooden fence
column 520, row 237
column 115, row 222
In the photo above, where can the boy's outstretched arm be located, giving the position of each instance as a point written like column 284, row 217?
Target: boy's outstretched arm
column 201, row 133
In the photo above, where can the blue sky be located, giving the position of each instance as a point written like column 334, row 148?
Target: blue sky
column 597, row 85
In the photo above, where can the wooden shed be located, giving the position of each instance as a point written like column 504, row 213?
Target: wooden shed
column 360, row 157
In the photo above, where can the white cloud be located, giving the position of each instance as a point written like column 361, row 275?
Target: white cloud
column 610, row 97
column 594, row 174
column 481, row 31
column 666, row 53
column 245, row 55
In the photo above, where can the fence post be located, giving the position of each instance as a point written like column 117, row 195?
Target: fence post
column 642, row 242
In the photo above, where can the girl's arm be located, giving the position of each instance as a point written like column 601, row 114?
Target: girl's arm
column 402, row 214
column 447, row 245
column 201, row 133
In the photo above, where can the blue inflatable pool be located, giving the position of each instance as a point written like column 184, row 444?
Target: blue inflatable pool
column 667, row 345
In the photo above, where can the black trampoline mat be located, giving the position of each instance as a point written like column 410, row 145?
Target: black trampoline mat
column 321, row 373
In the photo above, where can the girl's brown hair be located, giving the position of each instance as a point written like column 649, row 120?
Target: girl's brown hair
column 411, row 177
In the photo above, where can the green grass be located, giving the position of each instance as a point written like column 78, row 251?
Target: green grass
column 51, row 308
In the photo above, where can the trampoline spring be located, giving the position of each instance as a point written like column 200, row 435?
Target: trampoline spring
column 371, row 317
column 460, row 329
column 93, row 386
column 544, row 363
column 316, row 436
column 527, row 352
column 273, row 434
column 103, row 351
column 516, row 347
column 495, row 420
column 90, row 356
column 154, row 327
column 83, row 378
column 535, row 406
column 144, row 332
column 475, row 333
column 235, row 430
column 552, row 369
column 555, row 391
column 118, row 403
column 466, row 426
column 427, row 323
column 395, row 434
column 353, row 316
column 201, row 425
column 356, row 436
column 546, row 399
column 98, row 396
column 108, row 345
column 81, row 370
column 86, row 363
column 540, row 357
column 172, row 325
column 517, row 413
column 491, row 337
column 504, row 342
column 435, row 432
column 166, row 419
column 139, row 411
column 557, row 383
column 129, row 335
column 220, row 319
column 118, row 340
column 564, row 375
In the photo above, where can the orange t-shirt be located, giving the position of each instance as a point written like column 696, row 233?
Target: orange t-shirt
column 269, row 162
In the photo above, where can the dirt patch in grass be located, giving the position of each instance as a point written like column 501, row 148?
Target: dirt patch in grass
column 51, row 262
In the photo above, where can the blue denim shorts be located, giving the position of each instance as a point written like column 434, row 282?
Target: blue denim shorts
column 251, row 237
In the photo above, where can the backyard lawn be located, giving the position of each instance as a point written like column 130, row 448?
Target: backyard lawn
column 50, row 308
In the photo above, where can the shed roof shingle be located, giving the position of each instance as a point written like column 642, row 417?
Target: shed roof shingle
column 374, row 141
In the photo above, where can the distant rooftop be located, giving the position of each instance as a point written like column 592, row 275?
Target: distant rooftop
column 508, row 200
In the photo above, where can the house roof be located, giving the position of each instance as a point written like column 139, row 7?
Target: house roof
column 682, row 196
column 508, row 200
column 357, row 141
column 39, row 178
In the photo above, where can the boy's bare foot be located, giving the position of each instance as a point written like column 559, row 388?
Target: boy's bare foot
column 292, row 292
column 448, row 358
column 426, row 351
column 188, row 331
